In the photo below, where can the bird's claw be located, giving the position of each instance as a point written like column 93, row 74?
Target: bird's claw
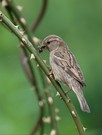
column 66, row 92
column 50, row 73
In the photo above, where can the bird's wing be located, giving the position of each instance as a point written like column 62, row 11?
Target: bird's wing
column 66, row 60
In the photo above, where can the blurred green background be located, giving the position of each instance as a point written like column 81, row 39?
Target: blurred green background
column 79, row 23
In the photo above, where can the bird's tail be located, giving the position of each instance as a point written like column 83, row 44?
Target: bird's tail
column 82, row 101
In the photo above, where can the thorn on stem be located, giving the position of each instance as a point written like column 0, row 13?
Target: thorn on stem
column 24, row 41
column 22, row 31
column 36, row 40
column 56, row 110
column 46, row 119
column 50, row 100
column 32, row 56
column 4, row 3
column 44, row 61
column 41, row 103
column 57, row 118
column 53, row 132
column 37, row 65
column 19, row 8
column 66, row 92
column 0, row 16
column 48, row 80
column 57, row 94
column 68, row 100
column 23, row 21
column 74, row 114
column 17, row 26
column 84, row 129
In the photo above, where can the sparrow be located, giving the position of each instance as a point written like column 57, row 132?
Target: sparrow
column 65, row 67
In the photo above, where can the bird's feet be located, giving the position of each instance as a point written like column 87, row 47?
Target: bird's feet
column 50, row 73
column 66, row 92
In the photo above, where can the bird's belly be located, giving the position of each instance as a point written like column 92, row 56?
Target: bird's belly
column 56, row 71
column 60, row 74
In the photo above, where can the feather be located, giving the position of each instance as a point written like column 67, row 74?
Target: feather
column 65, row 59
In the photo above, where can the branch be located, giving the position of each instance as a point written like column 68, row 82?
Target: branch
column 20, row 19
column 44, row 81
column 15, row 14
column 50, row 103
column 52, row 111
column 40, row 16
column 39, row 121
column 27, row 66
column 11, row 8
column 29, row 46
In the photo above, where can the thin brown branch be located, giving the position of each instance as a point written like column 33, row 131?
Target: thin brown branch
column 38, row 124
column 20, row 19
column 40, row 16
column 51, row 106
column 27, row 66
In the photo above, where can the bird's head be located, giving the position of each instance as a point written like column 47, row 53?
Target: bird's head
column 51, row 43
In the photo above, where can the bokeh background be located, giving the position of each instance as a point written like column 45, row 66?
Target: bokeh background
column 79, row 23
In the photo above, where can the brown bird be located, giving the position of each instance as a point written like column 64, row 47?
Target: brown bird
column 65, row 67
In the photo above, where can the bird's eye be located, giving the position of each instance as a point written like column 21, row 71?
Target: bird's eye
column 48, row 42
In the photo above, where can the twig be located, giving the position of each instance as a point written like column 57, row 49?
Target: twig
column 50, row 103
column 52, row 111
column 20, row 19
column 29, row 46
column 44, row 81
column 40, row 16
column 31, row 76
column 39, row 123
column 27, row 66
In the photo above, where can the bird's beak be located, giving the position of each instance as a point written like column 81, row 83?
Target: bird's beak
column 42, row 47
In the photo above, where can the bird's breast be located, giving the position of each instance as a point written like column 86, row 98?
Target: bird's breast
column 55, row 68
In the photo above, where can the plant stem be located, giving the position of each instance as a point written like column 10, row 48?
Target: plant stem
column 27, row 67
column 20, row 19
column 40, row 16
column 29, row 46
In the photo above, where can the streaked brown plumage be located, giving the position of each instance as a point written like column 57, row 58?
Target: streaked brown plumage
column 65, row 67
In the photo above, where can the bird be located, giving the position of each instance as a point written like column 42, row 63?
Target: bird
column 65, row 67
